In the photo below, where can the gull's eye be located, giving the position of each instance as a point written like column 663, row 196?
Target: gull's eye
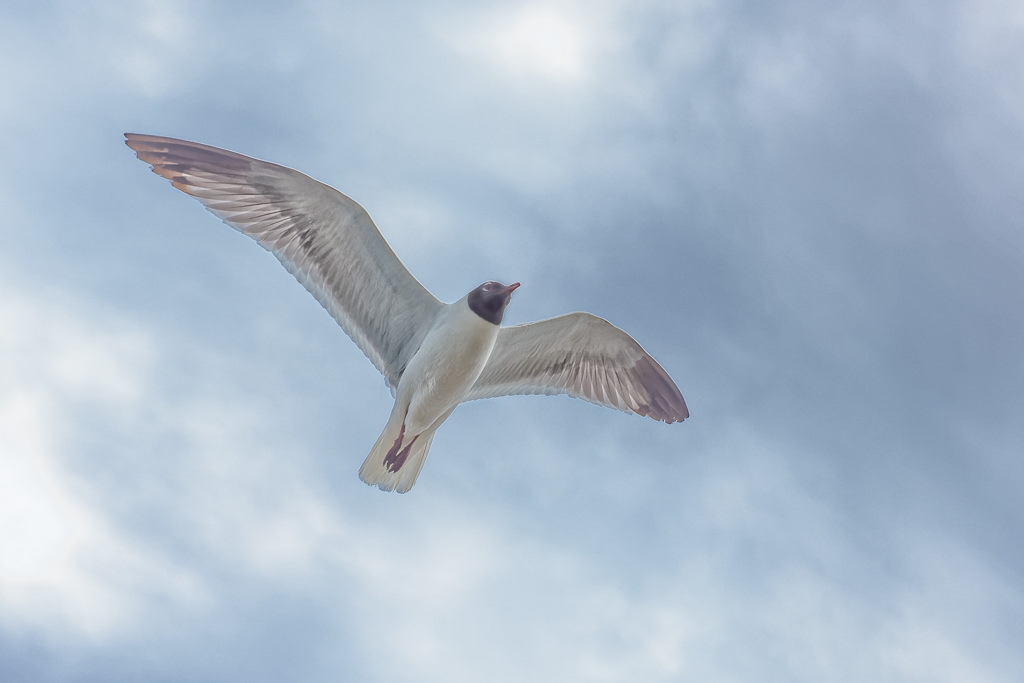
column 488, row 287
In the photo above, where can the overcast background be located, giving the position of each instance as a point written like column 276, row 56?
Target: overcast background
column 809, row 213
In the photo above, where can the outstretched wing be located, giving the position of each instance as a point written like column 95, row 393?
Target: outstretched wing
column 584, row 356
column 326, row 240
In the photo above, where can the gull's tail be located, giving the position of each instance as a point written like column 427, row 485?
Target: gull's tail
column 396, row 459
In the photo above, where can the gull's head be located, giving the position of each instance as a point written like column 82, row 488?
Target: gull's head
column 490, row 299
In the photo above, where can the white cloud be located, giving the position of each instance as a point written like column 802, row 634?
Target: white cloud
column 62, row 565
column 158, row 486
column 431, row 583
column 554, row 42
column 540, row 40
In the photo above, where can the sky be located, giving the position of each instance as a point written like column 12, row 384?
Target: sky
column 809, row 213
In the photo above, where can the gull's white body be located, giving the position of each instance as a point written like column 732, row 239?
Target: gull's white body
column 437, row 379
column 433, row 355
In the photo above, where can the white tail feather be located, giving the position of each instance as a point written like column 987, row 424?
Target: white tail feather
column 375, row 473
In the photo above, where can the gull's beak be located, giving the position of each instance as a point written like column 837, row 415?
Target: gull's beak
column 511, row 288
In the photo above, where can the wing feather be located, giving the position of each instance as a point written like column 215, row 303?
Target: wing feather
column 583, row 356
column 325, row 239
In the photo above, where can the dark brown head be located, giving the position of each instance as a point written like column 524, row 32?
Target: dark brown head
column 490, row 299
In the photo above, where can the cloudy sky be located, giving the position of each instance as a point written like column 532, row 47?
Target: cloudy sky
column 809, row 213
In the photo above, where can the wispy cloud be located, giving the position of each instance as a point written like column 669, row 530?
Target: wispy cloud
column 809, row 215
column 65, row 568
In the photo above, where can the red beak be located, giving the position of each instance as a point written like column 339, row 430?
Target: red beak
column 511, row 288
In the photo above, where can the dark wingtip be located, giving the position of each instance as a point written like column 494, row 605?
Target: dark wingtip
column 136, row 142
column 171, row 157
column 666, row 401
column 132, row 139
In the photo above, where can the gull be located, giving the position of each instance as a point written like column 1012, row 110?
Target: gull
column 433, row 355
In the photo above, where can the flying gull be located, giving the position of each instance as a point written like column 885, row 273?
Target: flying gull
column 433, row 355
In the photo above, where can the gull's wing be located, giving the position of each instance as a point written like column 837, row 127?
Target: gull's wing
column 326, row 240
column 584, row 356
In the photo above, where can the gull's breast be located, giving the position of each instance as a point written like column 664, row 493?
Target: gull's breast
column 447, row 364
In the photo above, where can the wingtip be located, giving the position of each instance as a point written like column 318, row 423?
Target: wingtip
column 666, row 401
column 134, row 141
column 679, row 417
